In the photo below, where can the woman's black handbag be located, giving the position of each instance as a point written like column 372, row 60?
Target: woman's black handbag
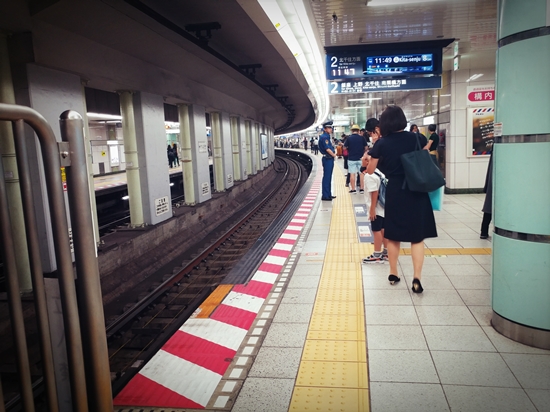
column 421, row 173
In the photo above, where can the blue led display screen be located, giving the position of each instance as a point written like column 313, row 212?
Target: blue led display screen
column 399, row 64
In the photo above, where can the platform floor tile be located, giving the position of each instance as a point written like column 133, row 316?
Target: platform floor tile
column 333, row 374
column 338, row 307
column 340, row 294
column 307, row 399
column 335, row 350
column 337, row 323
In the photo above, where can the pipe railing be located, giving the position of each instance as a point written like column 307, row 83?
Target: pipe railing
column 84, row 331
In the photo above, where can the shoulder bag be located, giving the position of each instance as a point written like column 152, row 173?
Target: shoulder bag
column 421, row 173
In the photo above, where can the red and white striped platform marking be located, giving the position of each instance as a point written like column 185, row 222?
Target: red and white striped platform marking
column 189, row 367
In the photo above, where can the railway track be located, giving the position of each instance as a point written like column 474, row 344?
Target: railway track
column 135, row 336
column 145, row 325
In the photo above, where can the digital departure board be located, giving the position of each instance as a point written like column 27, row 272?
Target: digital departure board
column 388, row 65
column 384, row 61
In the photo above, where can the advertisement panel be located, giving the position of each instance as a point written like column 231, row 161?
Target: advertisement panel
column 480, row 136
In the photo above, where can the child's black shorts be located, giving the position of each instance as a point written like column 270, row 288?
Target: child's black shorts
column 377, row 224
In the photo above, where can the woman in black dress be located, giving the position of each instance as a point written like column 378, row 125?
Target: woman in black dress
column 408, row 215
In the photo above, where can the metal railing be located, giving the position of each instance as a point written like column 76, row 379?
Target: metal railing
column 84, row 330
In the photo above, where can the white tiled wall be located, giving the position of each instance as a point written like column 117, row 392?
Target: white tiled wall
column 463, row 172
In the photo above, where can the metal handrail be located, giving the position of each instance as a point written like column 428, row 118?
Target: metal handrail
column 95, row 370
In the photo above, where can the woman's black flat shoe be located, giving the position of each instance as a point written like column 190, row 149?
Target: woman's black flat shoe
column 417, row 286
column 393, row 279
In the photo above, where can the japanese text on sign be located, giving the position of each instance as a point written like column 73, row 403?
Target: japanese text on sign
column 161, row 205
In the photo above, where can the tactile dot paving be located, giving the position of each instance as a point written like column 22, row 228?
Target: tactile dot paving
column 333, row 374
column 358, row 335
column 340, row 283
column 305, row 399
column 335, row 350
column 337, row 323
column 339, row 294
column 334, row 307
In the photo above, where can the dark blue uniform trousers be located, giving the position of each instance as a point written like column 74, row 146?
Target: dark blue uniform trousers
column 328, row 166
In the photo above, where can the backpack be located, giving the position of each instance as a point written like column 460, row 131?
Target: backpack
column 382, row 189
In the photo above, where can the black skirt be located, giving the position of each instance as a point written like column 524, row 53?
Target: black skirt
column 408, row 215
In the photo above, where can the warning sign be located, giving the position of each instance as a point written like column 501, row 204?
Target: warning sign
column 161, row 205
column 365, row 232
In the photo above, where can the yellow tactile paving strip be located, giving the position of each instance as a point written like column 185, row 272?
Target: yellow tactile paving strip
column 333, row 373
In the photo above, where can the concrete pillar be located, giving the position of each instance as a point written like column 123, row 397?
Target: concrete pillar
column 89, row 166
column 521, row 174
column 151, row 147
column 259, row 161
column 245, row 169
column 227, row 150
column 186, row 154
column 248, row 143
column 253, row 147
column 132, row 162
column 199, row 151
column 11, row 174
column 217, row 155
column 235, row 148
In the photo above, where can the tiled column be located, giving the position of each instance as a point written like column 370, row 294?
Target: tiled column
column 521, row 175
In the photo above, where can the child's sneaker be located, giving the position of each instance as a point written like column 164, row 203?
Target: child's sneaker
column 361, row 191
column 374, row 258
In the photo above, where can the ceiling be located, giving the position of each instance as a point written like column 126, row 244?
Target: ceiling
column 143, row 45
column 472, row 23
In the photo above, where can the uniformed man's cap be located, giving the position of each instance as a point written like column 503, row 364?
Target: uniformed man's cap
column 355, row 127
column 327, row 124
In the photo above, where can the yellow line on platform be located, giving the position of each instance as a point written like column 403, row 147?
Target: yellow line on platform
column 333, row 373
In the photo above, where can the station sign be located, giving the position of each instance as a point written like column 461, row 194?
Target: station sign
column 383, row 85
column 480, row 95
column 162, row 205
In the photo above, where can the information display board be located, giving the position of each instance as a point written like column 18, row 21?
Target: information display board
column 399, row 64
column 386, row 60
column 382, row 85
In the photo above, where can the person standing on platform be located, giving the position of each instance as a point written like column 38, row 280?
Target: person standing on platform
column 305, row 143
column 176, row 154
column 488, row 203
column 327, row 150
column 316, row 145
column 170, row 154
column 376, row 215
column 356, row 146
column 409, row 215
column 433, row 142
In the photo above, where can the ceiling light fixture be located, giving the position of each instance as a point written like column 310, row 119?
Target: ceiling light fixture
column 377, row 3
column 357, row 107
column 474, row 77
column 365, row 99
column 102, row 116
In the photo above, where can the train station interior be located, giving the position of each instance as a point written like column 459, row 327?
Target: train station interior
column 168, row 243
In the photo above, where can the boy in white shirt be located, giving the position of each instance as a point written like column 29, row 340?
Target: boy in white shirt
column 376, row 213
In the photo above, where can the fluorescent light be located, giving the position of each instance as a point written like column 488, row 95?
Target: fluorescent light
column 418, row 104
column 377, row 3
column 365, row 99
column 125, row 197
column 474, row 77
column 357, row 107
column 101, row 116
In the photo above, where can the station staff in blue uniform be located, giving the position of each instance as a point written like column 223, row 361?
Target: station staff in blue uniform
column 329, row 154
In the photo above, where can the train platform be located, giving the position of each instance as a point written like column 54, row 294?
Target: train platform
column 316, row 330
column 102, row 182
